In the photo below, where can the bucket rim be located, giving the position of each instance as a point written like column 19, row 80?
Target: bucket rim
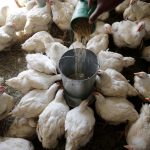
column 93, row 75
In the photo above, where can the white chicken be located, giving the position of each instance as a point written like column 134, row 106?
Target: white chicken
column 10, row 12
column 22, row 128
column 10, row 4
column 139, row 133
column 31, row 79
column 41, row 63
column 6, row 104
column 142, row 83
column 7, row 143
column 121, row 7
column 55, row 50
column 76, row 44
column 127, row 33
column 108, row 59
column 7, row 35
column 112, row 83
column 146, row 53
column 79, row 126
column 34, row 102
column 98, row 43
column 115, row 110
column 37, row 42
column 51, row 123
column 100, row 29
column 34, row 45
column 38, row 19
column 3, row 14
column 137, row 10
column 17, row 17
column 62, row 13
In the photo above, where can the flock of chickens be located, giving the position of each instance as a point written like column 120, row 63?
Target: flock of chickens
column 42, row 111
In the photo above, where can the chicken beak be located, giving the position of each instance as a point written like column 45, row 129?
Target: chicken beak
column 132, row 2
column 140, row 74
column 108, row 28
column 14, row 25
column 140, row 26
column 147, row 99
column 129, row 147
column 2, row 89
column 99, row 72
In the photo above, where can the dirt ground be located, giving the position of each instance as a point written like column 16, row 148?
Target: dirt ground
column 106, row 137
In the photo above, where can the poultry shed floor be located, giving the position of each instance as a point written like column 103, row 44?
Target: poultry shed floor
column 106, row 137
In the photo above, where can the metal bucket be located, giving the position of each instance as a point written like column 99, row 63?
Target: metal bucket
column 82, row 13
column 77, row 90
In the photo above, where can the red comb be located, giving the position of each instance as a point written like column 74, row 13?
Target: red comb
column 2, row 89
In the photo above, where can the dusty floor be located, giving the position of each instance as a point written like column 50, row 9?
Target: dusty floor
column 106, row 137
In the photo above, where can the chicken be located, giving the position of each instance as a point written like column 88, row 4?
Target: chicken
column 55, row 50
column 98, row 43
column 34, row 45
column 10, row 4
column 137, row 10
column 127, row 33
column 100, row 29
column 121, row 7
column 62, row 13
column 41, row 63
column 142, row 83
column 38, row 19
column 3, row 15
column 112, row 83
column 115, row 110
column 146, row 53
column 139, row 133
column 76, row 44
column 37, row 42
column 6, row 104
column 22, row 128
column 51, row 123
column 30, row 79
column 104, row 16
column 34, row 102
column 7, row 34
column 108, row 59
column 9, row 12
column 7, row 143
column 19, row 15
column 79, row 126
